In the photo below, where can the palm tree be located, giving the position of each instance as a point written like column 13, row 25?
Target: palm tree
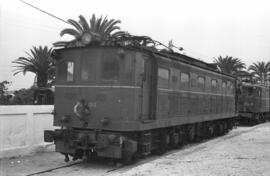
column 39, row 62
column 98, row 30
column 260, row 71
column 229, row 65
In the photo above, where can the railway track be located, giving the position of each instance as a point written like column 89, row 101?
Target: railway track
column 195, row 147
column 52, row 169
column 117, row 166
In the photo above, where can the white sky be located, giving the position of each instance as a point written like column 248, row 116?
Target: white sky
column 204, row 28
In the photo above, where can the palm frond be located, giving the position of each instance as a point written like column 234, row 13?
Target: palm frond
column 84, row 24
column 110, row 24
column 98, row 23
column 38, row 62
column 119, row 34
column 229, row 64
column 65, row 43
column 100, row 28
column 104, row 22
column 93, row 23
column 71, row 32
column 61, row 43
column 76, row 25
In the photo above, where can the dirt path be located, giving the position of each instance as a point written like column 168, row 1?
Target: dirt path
column 244, row 151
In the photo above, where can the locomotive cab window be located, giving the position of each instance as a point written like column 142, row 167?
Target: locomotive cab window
column 66, row 71
column 110, row 67
column 88, row 69
column 163, row 77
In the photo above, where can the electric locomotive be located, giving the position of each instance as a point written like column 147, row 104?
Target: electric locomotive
column 253, row 101
column 125, row 101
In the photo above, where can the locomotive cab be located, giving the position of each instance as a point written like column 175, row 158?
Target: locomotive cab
column 97, row 88
column 253, row 103
column 249, row 98
column 100, row 92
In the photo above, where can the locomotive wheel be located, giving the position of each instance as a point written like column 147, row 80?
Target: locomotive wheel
column 182, row 140
column 225, row 125
column 211, row 131
column 175, row 140
column 230, row 124
column 128, row 159
column 163, row 144
column 112, row 161
column 248, row 121
column 191, row 133
column 263, row 118
column 256, row 119
column 199, row 132
column 221, row 128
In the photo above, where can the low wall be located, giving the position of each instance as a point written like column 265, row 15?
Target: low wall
column 21, row 129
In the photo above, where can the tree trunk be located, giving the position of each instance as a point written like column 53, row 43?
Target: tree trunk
column 42, row 80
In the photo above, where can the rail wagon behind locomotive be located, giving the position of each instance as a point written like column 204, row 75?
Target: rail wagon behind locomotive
column 253, row 103
column 120, row 102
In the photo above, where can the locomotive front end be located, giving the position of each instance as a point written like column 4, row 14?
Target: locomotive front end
column 94, row 102
column 253, row 104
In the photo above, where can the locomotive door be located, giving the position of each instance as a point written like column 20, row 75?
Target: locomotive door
column 149, row 89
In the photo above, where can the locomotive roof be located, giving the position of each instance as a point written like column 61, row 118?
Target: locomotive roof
column 254, row 85
column 188, row 59
column 171, row 55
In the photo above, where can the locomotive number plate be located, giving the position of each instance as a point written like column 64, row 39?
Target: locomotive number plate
column 92, row 104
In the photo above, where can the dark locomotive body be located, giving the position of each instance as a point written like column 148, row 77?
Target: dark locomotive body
column 120, row 102
column 253, row 103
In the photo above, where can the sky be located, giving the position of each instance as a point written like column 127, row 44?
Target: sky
column 205, row 29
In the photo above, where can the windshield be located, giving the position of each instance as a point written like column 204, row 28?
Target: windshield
column 66, row 71
column 110, row 67
column 96, row 66
column 88, row 67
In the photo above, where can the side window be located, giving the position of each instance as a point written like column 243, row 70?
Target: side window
column 110, row 67
column 201, row 82
column 66, row 71
column 229, row 86
column 232, row 88
column 163, row 77
column 224, row 85
column 184, row 80
column 70, row 71
column 214, row 85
